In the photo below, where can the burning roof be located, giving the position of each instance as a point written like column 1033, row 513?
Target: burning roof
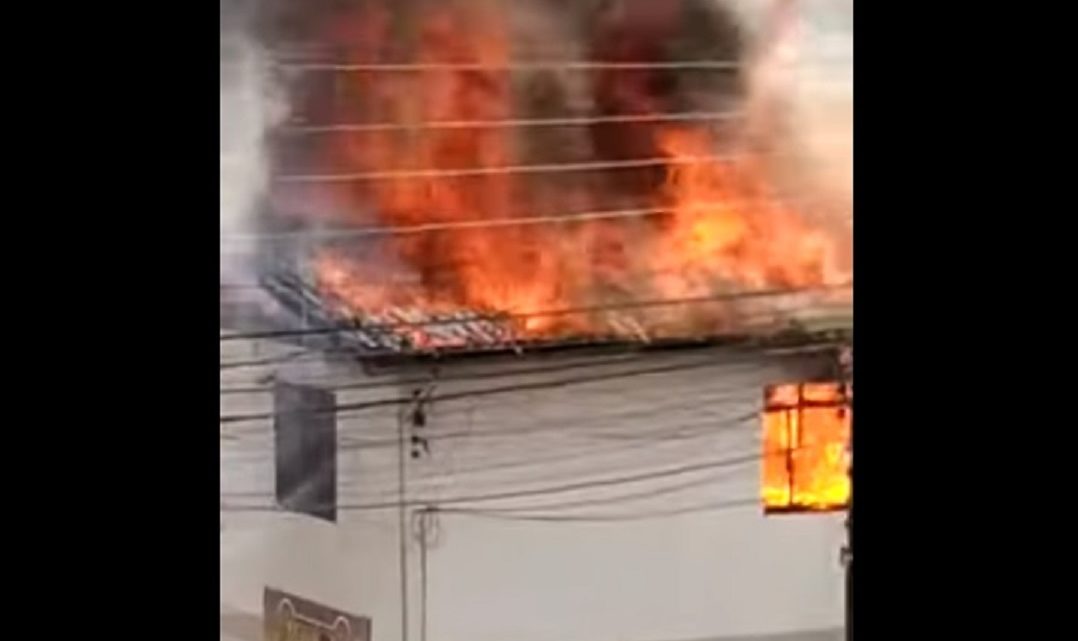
column 411, row 331
column 658, row 216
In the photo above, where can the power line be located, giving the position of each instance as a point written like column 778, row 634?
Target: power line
column 599, row 427
column 559, row 65
column 374, row 482
column 567, row 504
column 621, row 498
column 542, row 168
column 613, row 499
column 631, row 356
column 481, row 223
column 598, row 518
column 629, row 304
column 565, row 121
column 748, row 336
column 732, row 363
column 468, row 434
column 714, row 424
column 733, row 350
column 610, row 456
column 685, row 436
column 464, row 376
column 389, row 402
column 269, row 360
column 497, row 496
column 488, row 223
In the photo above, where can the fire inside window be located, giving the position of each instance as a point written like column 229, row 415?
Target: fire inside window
column 806, row 441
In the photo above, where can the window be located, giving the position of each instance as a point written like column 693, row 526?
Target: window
column 806, row 441
column 305, row 446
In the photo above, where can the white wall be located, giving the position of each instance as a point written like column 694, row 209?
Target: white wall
column 699, row 575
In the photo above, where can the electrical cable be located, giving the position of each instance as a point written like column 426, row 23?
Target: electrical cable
column 733, row 364
column 600, row 518
column 485, row 223
column 497, row 496
column 569, row 311
column 534, row 65
column 497, row 170
column 490, row 391
column 563, row 121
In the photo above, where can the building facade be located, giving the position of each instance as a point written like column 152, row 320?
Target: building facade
column 568, row 496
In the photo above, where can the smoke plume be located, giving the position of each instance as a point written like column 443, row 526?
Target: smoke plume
column 250, row 106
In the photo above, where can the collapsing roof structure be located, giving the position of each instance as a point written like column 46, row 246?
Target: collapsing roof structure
column 322, row 322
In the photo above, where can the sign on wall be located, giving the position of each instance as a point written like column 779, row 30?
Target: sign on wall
column 291, row 618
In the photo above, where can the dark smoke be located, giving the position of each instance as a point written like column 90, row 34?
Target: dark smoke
column 645, row 30
column 607, row 30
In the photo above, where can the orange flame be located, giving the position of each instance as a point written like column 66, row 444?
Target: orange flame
column 722, row 230
column 806, row 440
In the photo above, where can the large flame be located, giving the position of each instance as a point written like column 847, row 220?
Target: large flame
column 715, row 227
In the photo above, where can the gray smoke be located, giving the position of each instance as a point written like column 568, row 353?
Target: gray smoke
column 805, row 75
column 250, row 106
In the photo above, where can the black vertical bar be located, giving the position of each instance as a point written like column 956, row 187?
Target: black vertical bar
column 424, row 515
column 789, row 459
column 849, row 533
column 849, row 580
column 402, row 508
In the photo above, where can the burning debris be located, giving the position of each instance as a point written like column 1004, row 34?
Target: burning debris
column 390, row 330
column 417, row 330
column 428, row 115
column 407, row 329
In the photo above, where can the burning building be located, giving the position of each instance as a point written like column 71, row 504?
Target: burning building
column 521, row 273
column 443, row 161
